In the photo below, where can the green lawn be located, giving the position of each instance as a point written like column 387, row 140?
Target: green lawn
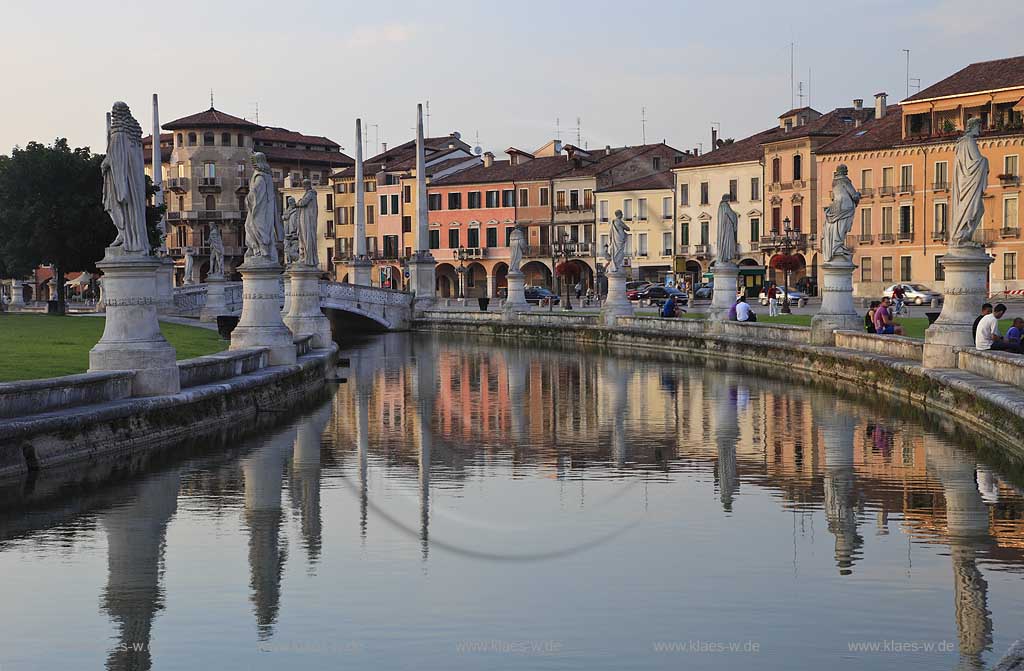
column 38, row 346
column 914, row 326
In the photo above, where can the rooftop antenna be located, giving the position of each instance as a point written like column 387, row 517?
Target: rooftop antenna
column 792, row 50
column 915, row 83
column 211, row 98
column 643, row 125
column 808, row 87
column 800, row 92
column 427, row 115
column 376, row 138
column 558, row 129
column 579, row 142
column 907, row 52
column 257, row 113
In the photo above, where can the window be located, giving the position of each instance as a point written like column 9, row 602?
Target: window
column 407, row 223
column 604, row 244
column 211, row 203
column 455, row 201
column 1010, row 212
column 473, row 237
column 492, row 237
column 225, row 139
column 453, row 238
column 492, row 199
column 1010, row 266
column 544, row 196
column 755, row 188
column 208, row 140
column 560, row 200
column 940, row 271
column 181, row 203
column 394, row 204
column 887, row 269
column 887, row 177
column 192, row 139
column 684, row 195
column 629, row 244
column 330, row 202
column 905, row 269
column 1010, row 165
column 240, row 140
column 433, row 201
column 941, row 217
column 684, row 234
column 797, row 167
column 627, row 209
column 704, row 193
column 798, row 212
column 508, row 235
column 210, row 170
column 941, row 175
column 383, row 205
column 641, row 208
column 656, row 163
column 666, row 243
column 666, row 207
column 906, row 178
column 776, row 219
column 434, row 238
column 755, row 229
column 865, row 221
column 524, row 197
column 865, row 179
column 734, row 190
column 181, row 232
column 865, row 269
column 180, row 142
column 407, row 193
column 603, row 210
column 776, row 170
column 641, row 247
column 390, row 246
column 887, row 221
column 369, row 214
column 508, row 198
column 906, row 219
column 704, row 233
column 473, row 200
column 330, row 228
column 588, row 199
column 574, row 199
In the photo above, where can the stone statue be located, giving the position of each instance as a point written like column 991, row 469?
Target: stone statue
column 261, row 225
column 307, row 207
column 616, row 253
column 124, row 182
column 728, row 225
column 190, row 268
column 216, row 252
column 517, row 247
column 970, row 174
column 291, row 217
column 839, row 217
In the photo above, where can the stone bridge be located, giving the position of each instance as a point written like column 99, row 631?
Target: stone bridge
column 348, row 304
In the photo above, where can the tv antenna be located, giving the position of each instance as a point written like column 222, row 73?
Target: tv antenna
column 558, row 128
column 643, row 125
column 427, row 115
column 907, row 52
column 579, row 142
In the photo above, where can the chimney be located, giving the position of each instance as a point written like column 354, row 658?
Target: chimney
column 383, row 147
column 880, row 104
column 696, row 152
column 858, row 103
column 714, row 138
column 607, row 150
column 558, row 147
column 488, row 159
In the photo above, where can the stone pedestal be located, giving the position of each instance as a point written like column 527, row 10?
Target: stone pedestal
column 216, row 303
column 966, row 288
column 360, row 270
column 724, row 295
column 422, row 279
column 165, row 285
column 260, row 324
column 17, row 294
column 131, row 335
column 837, row 310
column 304, row 315
column 616, row 304
column 516, row 299
column 286, row 288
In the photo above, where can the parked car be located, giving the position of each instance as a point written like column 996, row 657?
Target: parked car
column 794, row 296
column 656, row 294
column 537, row 295
column 918, row 294
column 703, row 291
column 635, row 288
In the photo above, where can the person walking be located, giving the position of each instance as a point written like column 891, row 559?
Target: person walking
column 773, row 300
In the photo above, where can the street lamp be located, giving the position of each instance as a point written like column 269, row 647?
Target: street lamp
column 461, row 254
column 786, row 247
column 565, row 255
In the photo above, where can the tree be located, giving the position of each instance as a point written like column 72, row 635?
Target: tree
column 51, row 211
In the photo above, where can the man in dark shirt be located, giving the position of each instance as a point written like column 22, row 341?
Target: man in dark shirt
column 985, row 309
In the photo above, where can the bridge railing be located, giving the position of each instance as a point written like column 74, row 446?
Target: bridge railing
column 189, row 299
column 340, row 292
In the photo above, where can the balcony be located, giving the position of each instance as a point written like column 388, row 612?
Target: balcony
column 1009, row 232
column 684, row 250
column 906, row 189
column 585, row 207
column 867, row 192
column 204, row 215
column 178, row 184
column 940, row 186
column 1009, row 180
column 889, row 191
column 905, row 236
column 799, row 184
column 209, row 184
column 574, row 248
column 795, row 240
column 940, row 236
column 538, row 251
column 753, row 246
column 865, row 239
column 701, row 250
column 886, row 238
column 468, row 253
column 243, row 185
column 774, row 186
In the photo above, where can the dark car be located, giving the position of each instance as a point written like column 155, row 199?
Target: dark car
column 657, row 294
column 634, row 289
column 536, row 295
column 703, row 291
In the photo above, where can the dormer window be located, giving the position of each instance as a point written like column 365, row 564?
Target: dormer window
column 192, row 139
column 208, row 140
column 789, row 125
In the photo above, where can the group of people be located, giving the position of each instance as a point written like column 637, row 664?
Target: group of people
column 879, row 318
column 986, row 330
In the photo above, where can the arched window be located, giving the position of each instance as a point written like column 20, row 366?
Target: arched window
column 181, row 143
column 797, row 165
column 211, row 202
column 208, row 139
column 225, row 139
column 192, row 139
column 776, row 170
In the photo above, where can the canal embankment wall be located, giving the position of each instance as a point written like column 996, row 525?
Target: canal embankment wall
column 985, row 393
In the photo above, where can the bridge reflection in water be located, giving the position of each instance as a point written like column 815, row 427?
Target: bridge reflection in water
column 503, row 488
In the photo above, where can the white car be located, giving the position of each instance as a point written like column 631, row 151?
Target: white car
column 918, row 294
column 794, row 296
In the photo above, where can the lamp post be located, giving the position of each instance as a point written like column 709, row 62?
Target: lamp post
column 786, row 246
column 461, row 254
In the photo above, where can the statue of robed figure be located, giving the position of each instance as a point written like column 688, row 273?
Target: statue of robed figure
column 261, row 225
column 728, row 223
column 307, row 207
column 970, row 174
column 216, row 252
column 839, row 216
column 517, row 248
column 124, row 181
column 616, row 254
column 291, row 218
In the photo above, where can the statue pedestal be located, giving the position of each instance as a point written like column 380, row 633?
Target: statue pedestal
column 837, row 310
column 286, row 287
column 17, row 295
column 516, row 299
column 216, row 303
column 360, row 269
column 260, row 324
column 422, row 279
column 165, row 286
column 131, row 335
column 724, row 295
column 616, row 304
column 305, row 316
column 966, row 289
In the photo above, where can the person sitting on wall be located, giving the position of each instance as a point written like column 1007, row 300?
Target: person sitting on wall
column 743, row 311
column 884, row 324
column 670, row 308
column 985, row 309
column 1014, row 334
column 869, row 318
column 988, row 336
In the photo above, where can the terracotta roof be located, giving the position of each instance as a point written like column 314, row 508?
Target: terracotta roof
column 543, row 167
column 604, row 161
column 835, row 123
column 272, row 134
column 333, row 159
column 401, row 153
column 874, row 134
column 796, row 110
column 985, row 76
column 659, row 180
column 210, row 118
column 742, row 151
column 166, row 140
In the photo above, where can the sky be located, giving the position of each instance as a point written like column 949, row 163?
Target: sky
column 510, row 74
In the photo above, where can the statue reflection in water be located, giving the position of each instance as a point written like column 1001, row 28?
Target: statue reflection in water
column 837, row 424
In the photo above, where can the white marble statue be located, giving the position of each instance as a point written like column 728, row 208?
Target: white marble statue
column 839, row 217
column 190, row 268
column 261, row 224
column 616, row 253
column 728, row 224
column 216, row 252
column 970, row 174
column 291, row 217
column 307, row 207
column 517, row 248
column 124, row 181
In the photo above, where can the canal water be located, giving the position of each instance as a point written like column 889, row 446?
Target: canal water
column 457, row 504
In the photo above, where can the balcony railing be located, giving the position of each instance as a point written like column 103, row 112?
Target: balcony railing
column 799, row 184
column 795, row 240
column 574, row 249
column 887, row 191
column 192, row 215
column 905, row 236
column 584, row 207
column 886, row 238
column 468, row 253
column 535, row 251
column 209, row 183
column 940, row 186
column 178, row 184
column 1009, row 232
column 865, row 239
column 867, row 192
column 1009, row 180
column 906, row 188
column 684, row 250
column 701, row 250
column 939, row 235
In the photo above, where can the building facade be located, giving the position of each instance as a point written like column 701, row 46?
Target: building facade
column 648, row 208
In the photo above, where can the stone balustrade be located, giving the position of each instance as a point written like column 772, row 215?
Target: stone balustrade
column 303, row 345
column 469, row 315
column 999, row 366
column 899, row 347
column 29, row 397
column 692, row 327
column 216, row 367
column 800, row 335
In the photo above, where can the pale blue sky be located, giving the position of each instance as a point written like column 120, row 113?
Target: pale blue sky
column 503, row 70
